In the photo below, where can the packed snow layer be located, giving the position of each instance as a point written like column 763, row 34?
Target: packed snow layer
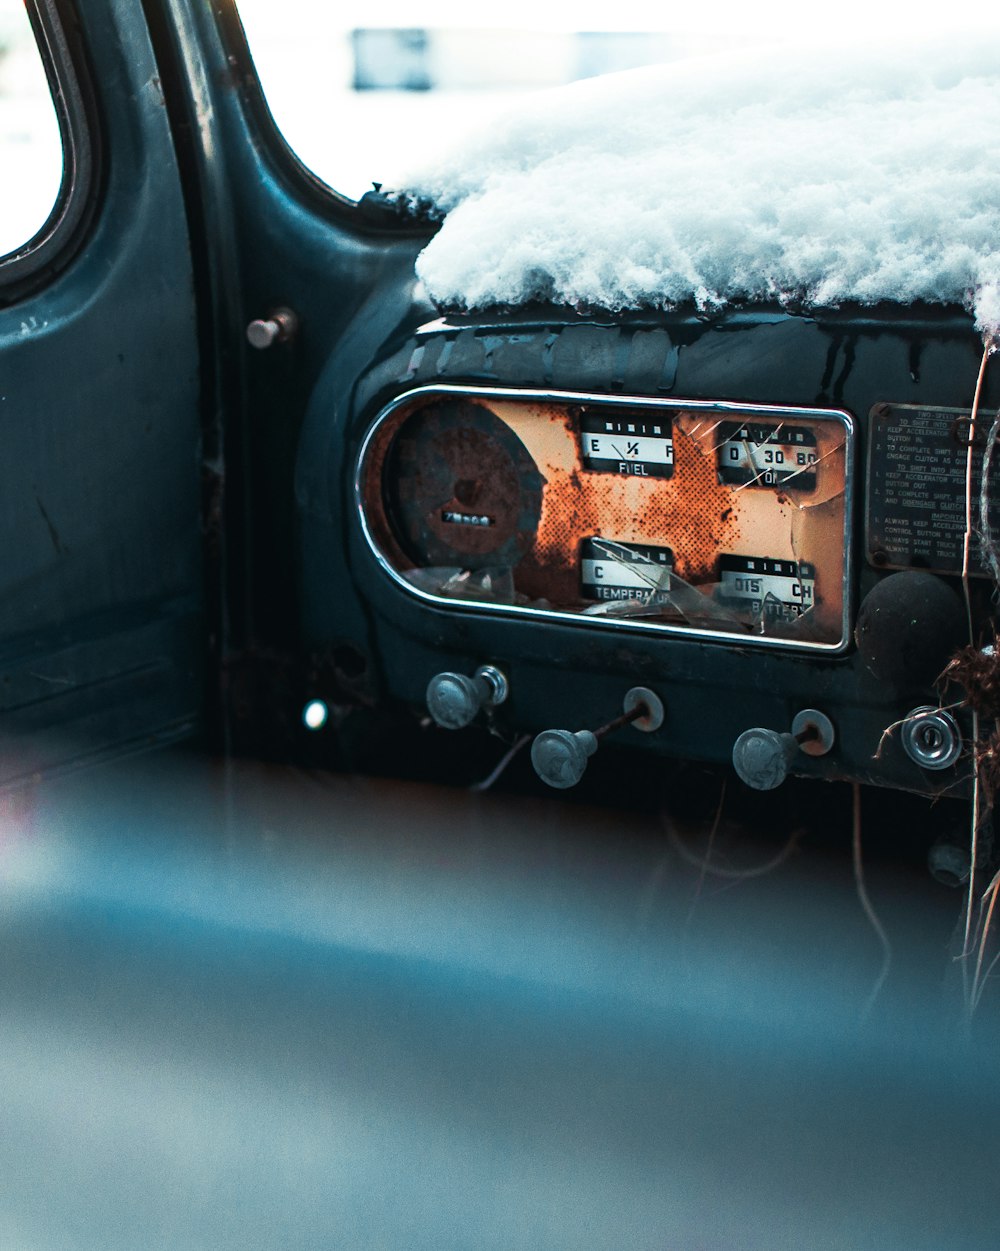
column 816, row 175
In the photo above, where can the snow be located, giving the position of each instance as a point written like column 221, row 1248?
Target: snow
column 815, row 175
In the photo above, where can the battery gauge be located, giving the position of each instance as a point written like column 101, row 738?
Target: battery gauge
column 759, row 588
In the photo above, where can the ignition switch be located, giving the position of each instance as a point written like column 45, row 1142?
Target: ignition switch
column 931, row 737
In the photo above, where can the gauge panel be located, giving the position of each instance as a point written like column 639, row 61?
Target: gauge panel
column 719, row 520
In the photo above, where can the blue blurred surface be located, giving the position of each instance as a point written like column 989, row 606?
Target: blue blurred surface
column 263, row 1008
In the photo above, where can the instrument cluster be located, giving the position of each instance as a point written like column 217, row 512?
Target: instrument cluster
column 728, row 522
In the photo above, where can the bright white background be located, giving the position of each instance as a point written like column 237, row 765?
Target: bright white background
column 303, row 53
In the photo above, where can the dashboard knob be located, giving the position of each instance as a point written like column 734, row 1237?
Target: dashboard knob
column 279, row 327
column 454, row 700
column 763, row 758
column 560, row 756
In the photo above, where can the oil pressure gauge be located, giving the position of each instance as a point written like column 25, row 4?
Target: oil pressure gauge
column 758, row 454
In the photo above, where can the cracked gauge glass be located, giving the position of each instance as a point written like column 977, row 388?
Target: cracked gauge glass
column 766, row 455
column 719, row 520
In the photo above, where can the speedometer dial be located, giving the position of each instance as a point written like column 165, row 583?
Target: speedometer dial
column 461, row 488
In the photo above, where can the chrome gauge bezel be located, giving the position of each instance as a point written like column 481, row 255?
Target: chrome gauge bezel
column 660, row 629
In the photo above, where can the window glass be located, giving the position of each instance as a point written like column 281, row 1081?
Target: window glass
column 360, row 87
column 31, row 154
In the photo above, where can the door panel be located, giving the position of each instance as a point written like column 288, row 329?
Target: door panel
column 101, row 590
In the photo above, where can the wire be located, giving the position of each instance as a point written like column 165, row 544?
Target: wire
column 866, row 904
column 505, row 760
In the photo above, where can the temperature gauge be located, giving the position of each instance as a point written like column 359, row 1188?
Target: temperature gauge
column 610, row 570
column 754, row 454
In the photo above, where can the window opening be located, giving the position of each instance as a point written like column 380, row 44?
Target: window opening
column 31, row 150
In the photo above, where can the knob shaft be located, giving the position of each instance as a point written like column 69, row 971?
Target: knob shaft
column 560, row 756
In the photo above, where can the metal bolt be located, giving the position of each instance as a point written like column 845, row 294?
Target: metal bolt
column 278, row 327
column 813, row 731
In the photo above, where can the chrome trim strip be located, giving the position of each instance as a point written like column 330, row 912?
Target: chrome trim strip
column 577, row 619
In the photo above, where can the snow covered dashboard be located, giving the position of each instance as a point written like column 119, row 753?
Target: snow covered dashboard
column 708, row 519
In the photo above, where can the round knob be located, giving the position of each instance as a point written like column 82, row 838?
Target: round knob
column 264, row 332
column 762, row 757
column 949, row 862
column 454, row 699
column 560, row 756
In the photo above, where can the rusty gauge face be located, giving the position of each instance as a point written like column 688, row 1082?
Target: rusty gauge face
column 460, row 488
column 719, row 520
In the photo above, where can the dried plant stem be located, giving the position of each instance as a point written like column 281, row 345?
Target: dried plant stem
column 733, row 875
column 967, row 540
column 866, row 904
column 977, row 981
column 985, row 533
column 889, row 730
column 985, row 978
column 711, row 843
column 974, row 838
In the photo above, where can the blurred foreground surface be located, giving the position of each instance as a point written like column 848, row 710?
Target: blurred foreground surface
column 251, row 1007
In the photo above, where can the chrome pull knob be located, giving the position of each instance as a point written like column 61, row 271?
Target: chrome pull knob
column 278, row 327
column 560, row 757
column 763, row 758
column 454, row 700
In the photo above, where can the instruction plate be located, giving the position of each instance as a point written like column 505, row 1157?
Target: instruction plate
column 916, row 498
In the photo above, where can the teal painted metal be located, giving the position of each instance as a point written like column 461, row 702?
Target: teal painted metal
column 101, row 623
